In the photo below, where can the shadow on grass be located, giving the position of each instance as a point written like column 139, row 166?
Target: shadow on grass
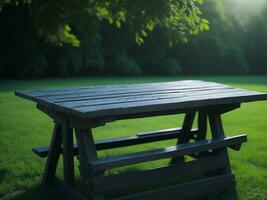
column 39, row 192
column 55, row 192
column 222, row 195
column 52, row 192
column 3, row 174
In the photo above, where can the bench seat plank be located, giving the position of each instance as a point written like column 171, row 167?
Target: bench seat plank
column 141, row 138
column 168, row 152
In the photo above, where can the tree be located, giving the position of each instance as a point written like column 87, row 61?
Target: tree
column 57, row 21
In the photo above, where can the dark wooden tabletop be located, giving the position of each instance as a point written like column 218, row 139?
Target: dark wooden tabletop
column 114, row 100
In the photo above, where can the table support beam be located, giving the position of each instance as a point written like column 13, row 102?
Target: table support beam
column 202, row 125
column 88, row 153
column 67, row 144
column 53, row 155
column 218, row 132
column 184, row 137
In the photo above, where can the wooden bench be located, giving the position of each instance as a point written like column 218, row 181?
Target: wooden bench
column 82, row 109
column 141, row 138
column 168, row 152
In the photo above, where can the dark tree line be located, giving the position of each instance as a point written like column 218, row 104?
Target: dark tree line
column 224, row 47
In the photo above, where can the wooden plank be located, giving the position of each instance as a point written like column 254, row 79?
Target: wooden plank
column 67, row 146
column 125, row 94
column 167, row 173
column 42, row 151
column 159, row 105
column 105, row 106
column 119, row 107
column 78, row 122
column 223, row 109
column 53, row 155
column 37, row 95
column 136, row 92
column 186, row 190
column 141, row 138
column 169, row 152
column 83, row 122
column 135, row 140
column 159, row 132
column 122, row 103
column 146, row 97
column 94, row 93
column 112, row 88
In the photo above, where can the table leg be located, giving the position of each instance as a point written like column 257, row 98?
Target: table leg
column 202, row 125
column 67, row 146
column 184, row 137
column 202, row 131
column 217, row 132
column 88, row 152
column 53, row 155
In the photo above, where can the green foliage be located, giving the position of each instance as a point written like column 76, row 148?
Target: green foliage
column 218, row 51
column 35, row 43
column 180, row 23
column 177, row 17
column 63, row 36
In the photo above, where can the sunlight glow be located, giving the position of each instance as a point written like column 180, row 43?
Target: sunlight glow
column 253, row 7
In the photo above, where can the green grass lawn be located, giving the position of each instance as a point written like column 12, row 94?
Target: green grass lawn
column 22, row 127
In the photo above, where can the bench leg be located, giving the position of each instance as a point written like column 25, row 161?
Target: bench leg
column 184, row 137
column 202, row 130
column 217, row 132
column 202, row 125
column 53, row 155
column 88, row 152
column 67, row 146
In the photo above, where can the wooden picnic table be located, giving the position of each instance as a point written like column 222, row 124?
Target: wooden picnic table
column 84, row 108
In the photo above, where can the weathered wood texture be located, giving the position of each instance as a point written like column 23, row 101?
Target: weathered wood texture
column 118, row 100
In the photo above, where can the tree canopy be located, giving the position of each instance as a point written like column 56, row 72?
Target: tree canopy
column 58, row 21
column 35, row 43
